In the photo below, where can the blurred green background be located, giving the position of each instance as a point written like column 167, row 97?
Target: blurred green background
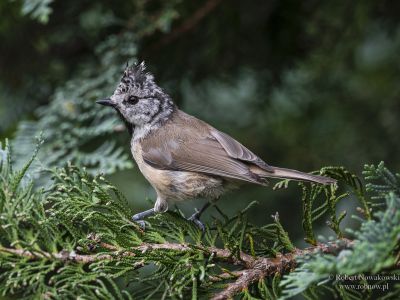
column 304, row 84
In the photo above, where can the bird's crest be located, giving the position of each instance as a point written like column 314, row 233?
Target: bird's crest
column 137, row 73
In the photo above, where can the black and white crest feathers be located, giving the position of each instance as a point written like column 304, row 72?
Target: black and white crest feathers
column 138, row 73
column 136, row 77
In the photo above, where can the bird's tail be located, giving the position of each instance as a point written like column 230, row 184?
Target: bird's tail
column 297, row 175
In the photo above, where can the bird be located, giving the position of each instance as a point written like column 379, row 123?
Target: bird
column 181, row 156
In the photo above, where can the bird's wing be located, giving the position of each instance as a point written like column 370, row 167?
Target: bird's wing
column 194, row 149
column 238, row 151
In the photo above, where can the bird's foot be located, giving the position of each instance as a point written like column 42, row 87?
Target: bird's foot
column 195, row 219
column 141, row 224
column 138, row 218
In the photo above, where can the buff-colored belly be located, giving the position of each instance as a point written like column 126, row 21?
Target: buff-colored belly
column 178, row 185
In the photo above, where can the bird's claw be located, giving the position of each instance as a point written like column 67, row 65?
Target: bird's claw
column 136, row 218
column 142, row 224
column 195, row 219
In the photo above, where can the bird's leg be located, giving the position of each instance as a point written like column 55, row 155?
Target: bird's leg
column 195, row 218
column 138, row 218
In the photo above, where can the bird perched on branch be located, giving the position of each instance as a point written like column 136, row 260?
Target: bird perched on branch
column 181, row 156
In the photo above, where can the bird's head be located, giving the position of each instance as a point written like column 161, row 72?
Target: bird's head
column 138, row 99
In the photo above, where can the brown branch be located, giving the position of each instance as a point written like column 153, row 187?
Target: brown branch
column 66, row 255
column 263, row 267
column 189, row 24
column 255, row 268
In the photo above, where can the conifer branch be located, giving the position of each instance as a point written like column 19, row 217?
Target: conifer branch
column 45, row 248
column 262, row 267
column 65, row 256
column 256, row 268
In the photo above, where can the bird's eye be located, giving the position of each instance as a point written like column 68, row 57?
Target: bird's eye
column 133, row 100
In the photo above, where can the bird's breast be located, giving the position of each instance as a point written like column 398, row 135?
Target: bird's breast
column 178, row 185
column 157, row 178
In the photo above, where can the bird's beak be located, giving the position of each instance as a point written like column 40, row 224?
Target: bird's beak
column 106, row 102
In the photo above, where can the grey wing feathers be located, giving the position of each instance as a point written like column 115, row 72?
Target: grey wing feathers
column 238, row 151
column 204, row 155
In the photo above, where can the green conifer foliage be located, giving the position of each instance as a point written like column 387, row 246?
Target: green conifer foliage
column 75, row 239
